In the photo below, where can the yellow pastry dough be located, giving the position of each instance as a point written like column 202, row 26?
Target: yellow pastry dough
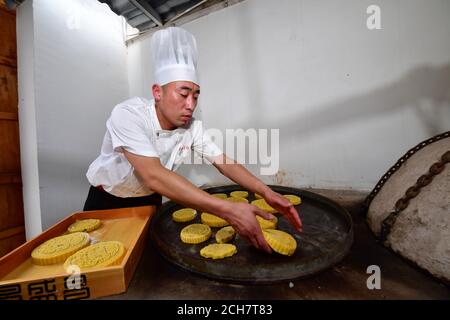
column 101, row 254
column 267, row 224
column 239, row 194
column 220, row 195
column 85, row 225
column 257, row 196
column 195, row 233
column 218, row 250
column 213, row 220
column 237, row 199
column 263, row 205
column 225, row 234
column 280, row 241
column 295, row 200
column 59, row 248
column 184, row 215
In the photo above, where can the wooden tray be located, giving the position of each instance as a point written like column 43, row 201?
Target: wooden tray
column 21, row 279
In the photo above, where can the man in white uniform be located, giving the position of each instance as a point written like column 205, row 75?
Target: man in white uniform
column 146, row 141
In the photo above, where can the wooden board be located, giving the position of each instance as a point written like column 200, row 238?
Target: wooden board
column 11, row 239
column 21, row 279
column 8, row 49
column 8, row 90
column 11, row 207
column 9, row 146
column 12, row 232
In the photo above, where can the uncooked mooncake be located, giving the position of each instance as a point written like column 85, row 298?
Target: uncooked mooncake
column 237, row 199
column 213, row 220
column 239, row 194
column 101, row 254
column 280, row 241
column 58, row 249
column 267, row 224
column 220, row 195
column 263, row 205
column 84, row 225
column 195, row 233
column 295, row 200
column 225, row 234
column 184, row 215
column 218, row 250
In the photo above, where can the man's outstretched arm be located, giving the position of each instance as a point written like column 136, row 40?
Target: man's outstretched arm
column 241, row 216
column 244, row 178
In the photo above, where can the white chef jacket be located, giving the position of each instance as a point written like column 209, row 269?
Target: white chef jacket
column 134, row 126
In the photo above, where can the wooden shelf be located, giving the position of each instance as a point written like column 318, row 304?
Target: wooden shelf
column 8, row 233
column 8, row 61
column 9, row 116
column 10, row 178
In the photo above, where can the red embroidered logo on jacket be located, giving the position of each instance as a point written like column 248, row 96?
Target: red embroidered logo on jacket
column 184, row 148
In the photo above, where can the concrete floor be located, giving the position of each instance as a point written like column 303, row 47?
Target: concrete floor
column 156, row 278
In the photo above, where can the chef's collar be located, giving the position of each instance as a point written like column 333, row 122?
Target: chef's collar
column 157, row 126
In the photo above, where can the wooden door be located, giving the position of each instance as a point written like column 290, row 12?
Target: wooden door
column 12, row 231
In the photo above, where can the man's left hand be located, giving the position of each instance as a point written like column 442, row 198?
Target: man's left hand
column 285, row 207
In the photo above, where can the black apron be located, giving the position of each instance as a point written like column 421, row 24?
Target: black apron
column 99, row 199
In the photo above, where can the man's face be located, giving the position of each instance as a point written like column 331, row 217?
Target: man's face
column 176, row 102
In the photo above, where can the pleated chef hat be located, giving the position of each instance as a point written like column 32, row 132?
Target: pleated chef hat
column 174, row 56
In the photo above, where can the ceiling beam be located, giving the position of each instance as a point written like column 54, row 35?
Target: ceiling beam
column 186, row 18
column 186, row 11
column 148, row 10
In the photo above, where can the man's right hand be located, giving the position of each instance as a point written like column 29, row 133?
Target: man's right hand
column 242, row 217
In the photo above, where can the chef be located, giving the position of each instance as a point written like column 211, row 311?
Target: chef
column 147, row 140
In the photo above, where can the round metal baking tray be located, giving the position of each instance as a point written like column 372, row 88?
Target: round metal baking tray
column 326, row 238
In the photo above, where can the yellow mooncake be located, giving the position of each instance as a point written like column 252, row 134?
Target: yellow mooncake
column 59, row 248
column 184, row 215
column 101, row 254
column 220, row 195
column 295, row 200
column 213, row 220
column 239, row 194
column 84, row 225
column 218, row 250
column 237, row 199
column 195, row 233
column 225, row 234
column 280, row 241
column 263, row 205
column 267, row 224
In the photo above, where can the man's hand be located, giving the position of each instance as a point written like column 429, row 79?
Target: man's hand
column 285, row 207
column 242, row 217
column 243, row 177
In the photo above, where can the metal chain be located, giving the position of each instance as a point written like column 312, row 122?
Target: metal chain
column 411, row 192
column 401, row 204
column 398, row 164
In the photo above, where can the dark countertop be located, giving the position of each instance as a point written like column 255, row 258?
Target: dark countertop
column 155, row 278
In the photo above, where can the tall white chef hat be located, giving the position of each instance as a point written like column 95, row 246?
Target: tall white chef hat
column 174, row 56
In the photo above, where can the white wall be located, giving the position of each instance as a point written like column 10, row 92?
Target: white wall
column 77, row 67
column 348, row 101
